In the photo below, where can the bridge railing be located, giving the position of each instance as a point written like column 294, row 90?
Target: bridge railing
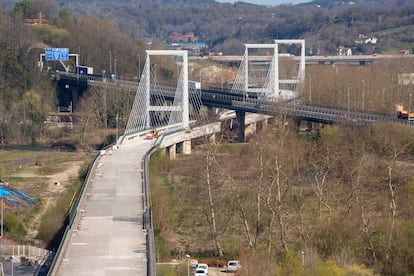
column 313, row 113
column 148, row 221
column 251, row 102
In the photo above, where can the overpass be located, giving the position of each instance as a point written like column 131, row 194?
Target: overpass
column 352, row 60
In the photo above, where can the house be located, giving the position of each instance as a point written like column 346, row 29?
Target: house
column 372, row 40
column 187, row 37
column 404, row 52
column 35, row 21
column 343, row 51
column 361, row 39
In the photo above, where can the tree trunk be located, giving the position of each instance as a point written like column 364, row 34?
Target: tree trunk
column 212, row 209
column 279, row 206
column 258, row 197
column 271, row 219
column 393, row 207
column 365, row 228
column 240, row 205
column 318, row 189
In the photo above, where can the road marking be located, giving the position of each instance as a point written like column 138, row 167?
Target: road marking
column 79, row 243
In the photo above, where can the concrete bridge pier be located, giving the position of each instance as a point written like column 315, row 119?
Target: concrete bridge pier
column 186, row 148
column 313, row 127
column 265, row 123
column 251, row 129
column 298, row 121
column 212, row 138
column 69, row 89
column 172, row 151
column 241, row 116
column 75, row 96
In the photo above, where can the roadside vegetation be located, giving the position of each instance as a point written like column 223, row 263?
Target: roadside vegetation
column 33, row 170
column 343, row 196
column 55, row 218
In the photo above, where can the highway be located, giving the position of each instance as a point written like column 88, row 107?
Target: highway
column 353, row 59
column 107, row 237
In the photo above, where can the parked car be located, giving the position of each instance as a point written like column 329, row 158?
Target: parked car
column 202, row 266
column 233, row 265
column 200, row 272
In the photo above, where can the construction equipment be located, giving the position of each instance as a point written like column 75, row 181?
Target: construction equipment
column 404, row 114
column 151, row 134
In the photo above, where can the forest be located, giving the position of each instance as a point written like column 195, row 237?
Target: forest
column 343, row 196
column 226, row 27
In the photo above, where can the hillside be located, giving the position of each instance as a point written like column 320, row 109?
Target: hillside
column 225, row 27
column 324, row 24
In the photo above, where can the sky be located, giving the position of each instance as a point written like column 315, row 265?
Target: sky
column 267, row 2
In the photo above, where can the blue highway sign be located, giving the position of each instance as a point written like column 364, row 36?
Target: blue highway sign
column 57, row 54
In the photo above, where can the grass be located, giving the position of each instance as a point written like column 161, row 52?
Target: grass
column 29, row 170
column 169, row 270
column 25, row 160
column 402, row 33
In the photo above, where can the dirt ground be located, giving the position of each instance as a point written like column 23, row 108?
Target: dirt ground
column 56, row 184
column 29, row 178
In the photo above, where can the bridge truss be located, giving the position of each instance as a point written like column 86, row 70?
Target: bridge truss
column 280, row 83
column 157, row 106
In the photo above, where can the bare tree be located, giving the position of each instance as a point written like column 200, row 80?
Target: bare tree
column 210, row 155
column 392, row 142
column 323, row 157
column 238, row 193
column 261, row 162
column 284, row 157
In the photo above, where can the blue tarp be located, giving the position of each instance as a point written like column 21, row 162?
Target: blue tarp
column 15, row 196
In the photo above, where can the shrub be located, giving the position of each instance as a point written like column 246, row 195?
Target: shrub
column 14, row 227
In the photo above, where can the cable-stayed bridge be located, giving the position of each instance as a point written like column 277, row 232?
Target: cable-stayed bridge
column 111, row 232
column 270, row 88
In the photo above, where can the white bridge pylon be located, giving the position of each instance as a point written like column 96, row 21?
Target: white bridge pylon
column 300, row 78
column 149, row 98
column 275, row 87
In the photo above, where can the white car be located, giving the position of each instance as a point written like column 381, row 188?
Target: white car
column 233, row 265
column 202, row 266
column 200, row 272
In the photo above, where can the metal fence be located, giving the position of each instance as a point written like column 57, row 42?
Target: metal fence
column 25, row 250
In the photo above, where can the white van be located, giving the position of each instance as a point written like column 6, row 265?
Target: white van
column 202, row 266
column 233, row 265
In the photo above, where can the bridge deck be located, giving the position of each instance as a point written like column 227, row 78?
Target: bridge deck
column 108, row 238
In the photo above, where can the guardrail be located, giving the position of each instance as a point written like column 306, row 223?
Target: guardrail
column 27, row 255
column 148, row 222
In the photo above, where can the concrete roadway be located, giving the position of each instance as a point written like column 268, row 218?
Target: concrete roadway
column 108, row 238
